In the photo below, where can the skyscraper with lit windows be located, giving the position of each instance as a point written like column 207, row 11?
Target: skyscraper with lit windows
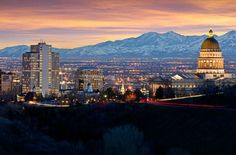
column 40, row 68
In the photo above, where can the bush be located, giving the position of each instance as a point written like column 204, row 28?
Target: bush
column 124, row 140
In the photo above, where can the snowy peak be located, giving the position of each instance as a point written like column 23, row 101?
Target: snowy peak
column 151, row 44
column 172, row 34
column 229, row 35
column 149, row 35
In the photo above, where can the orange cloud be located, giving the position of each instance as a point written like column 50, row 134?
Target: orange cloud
column 73, row 23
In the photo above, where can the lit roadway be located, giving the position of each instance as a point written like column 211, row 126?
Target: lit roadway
column 46, row 105
column 161, row 103
column 167, row 102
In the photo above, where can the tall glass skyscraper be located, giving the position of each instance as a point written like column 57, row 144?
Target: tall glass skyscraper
column 40, row 68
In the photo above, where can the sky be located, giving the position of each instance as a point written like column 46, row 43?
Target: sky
column 76, row 23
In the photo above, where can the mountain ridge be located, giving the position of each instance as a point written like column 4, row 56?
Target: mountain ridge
column 150, row 44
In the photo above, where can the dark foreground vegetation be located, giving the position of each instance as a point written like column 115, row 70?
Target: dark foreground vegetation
column 117, row 129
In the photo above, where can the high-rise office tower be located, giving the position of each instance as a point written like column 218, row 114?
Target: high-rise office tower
column 40, row 70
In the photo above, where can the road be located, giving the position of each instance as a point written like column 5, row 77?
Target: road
column 162, row 103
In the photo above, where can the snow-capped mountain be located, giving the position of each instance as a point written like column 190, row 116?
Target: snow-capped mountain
column 151, row 44
column 14, row 51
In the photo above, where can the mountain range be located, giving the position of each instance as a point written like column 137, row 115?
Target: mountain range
column 151, row 44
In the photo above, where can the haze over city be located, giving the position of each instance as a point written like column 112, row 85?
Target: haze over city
column 76, row 23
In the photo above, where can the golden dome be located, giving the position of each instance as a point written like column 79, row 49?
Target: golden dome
column 210, row 42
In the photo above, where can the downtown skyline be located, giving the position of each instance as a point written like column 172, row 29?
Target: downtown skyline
column 71, row 23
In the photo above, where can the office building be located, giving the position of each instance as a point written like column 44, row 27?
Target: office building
column 40, row 68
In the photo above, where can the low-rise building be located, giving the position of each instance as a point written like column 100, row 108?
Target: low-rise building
column 9, row 83
column 186, row 84
column 157, row 82
column 89, row 80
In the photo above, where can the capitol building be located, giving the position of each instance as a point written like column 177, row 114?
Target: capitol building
column 211, row 61
column 210, row 72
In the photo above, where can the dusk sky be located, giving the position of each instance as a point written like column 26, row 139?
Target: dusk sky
column 75, row 23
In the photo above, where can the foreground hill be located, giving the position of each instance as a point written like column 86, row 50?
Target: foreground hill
column 158, row 130
column 150, row 44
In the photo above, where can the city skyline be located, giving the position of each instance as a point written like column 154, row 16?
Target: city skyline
column 111, row 77
column 69, row 24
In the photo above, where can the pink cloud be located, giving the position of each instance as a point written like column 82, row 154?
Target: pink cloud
column 88, row 19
